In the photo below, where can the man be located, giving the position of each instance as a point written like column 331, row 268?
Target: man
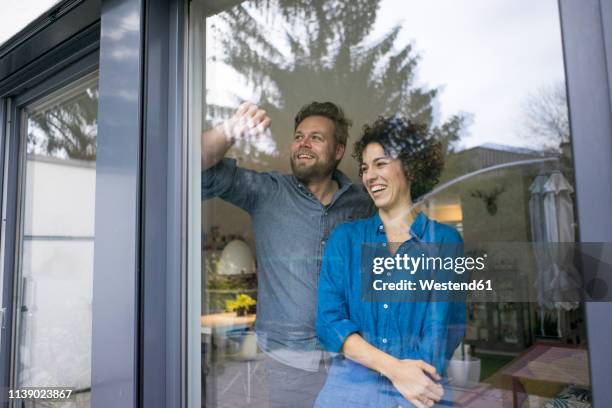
column 292, row 217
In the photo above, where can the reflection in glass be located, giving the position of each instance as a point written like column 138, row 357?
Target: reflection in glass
column 66, row 130
column 56, row 254
column 293, row 53
column 494, row 97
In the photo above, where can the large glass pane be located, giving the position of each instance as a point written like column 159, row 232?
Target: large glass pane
column 55, row 270
column 491, row 94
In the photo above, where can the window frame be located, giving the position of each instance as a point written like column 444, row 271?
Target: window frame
column 145, row 141
column 164, row 367
column 28, row 71
column 140, row 243
column 16, row 174
column 586, row 29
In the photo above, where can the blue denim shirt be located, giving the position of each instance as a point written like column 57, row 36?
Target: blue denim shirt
column 426, row 330
column 291, row 229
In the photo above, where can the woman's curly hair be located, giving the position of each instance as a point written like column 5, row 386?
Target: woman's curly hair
column 418, row 151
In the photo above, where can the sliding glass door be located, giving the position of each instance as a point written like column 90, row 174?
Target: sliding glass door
column 52, row 295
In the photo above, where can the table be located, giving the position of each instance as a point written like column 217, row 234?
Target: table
column 222, row 322
column 551, row 363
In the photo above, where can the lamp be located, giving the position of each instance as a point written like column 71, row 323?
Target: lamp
column 236, row 259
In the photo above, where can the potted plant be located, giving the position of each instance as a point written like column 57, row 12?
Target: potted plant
column 463, row 369
column 240, row 305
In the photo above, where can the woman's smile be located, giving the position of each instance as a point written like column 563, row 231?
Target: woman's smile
column 384, row 178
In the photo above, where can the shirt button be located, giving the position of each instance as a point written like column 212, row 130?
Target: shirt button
column 384, row 244
column 386, row 306
column 380, row 228
column 384, row 340
column 323, row 242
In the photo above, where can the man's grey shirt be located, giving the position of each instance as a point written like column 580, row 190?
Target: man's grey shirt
column 291, row 228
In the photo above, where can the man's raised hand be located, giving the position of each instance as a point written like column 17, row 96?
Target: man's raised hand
column 249, row 128
column 248, row 122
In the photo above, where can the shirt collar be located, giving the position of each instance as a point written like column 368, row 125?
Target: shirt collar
column 417, row 229
column 342, row 179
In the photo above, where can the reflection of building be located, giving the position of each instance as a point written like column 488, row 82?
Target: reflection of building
column 494, row 207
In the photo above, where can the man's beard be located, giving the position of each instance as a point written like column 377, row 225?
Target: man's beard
column 316, row 171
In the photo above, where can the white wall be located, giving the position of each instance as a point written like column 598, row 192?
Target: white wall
column 57, row 267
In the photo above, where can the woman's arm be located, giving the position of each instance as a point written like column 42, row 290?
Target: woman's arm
column 339, row 333
column 409, row 377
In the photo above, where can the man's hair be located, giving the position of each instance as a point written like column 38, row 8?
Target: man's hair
column 418, row 151
column 331, row 111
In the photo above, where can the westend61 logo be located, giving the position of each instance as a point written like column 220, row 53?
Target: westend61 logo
column 411, row 264
column 544, row 272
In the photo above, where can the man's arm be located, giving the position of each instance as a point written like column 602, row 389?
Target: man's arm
column 248, row 120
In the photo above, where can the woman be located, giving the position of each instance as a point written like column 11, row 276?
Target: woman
column 391, row 353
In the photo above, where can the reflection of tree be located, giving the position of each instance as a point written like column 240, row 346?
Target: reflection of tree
column 295, row 52
column 546, row 123
column 67, row 130
column 546, row 119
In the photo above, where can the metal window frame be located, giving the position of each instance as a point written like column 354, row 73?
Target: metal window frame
column 116, row 247
column 164, row 209
column 586, row 28
column 139, row 310
column 151, row 306
column 40, row 59
column 15, row 172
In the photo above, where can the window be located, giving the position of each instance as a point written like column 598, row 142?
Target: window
column 53, row 285
column 493, row 96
